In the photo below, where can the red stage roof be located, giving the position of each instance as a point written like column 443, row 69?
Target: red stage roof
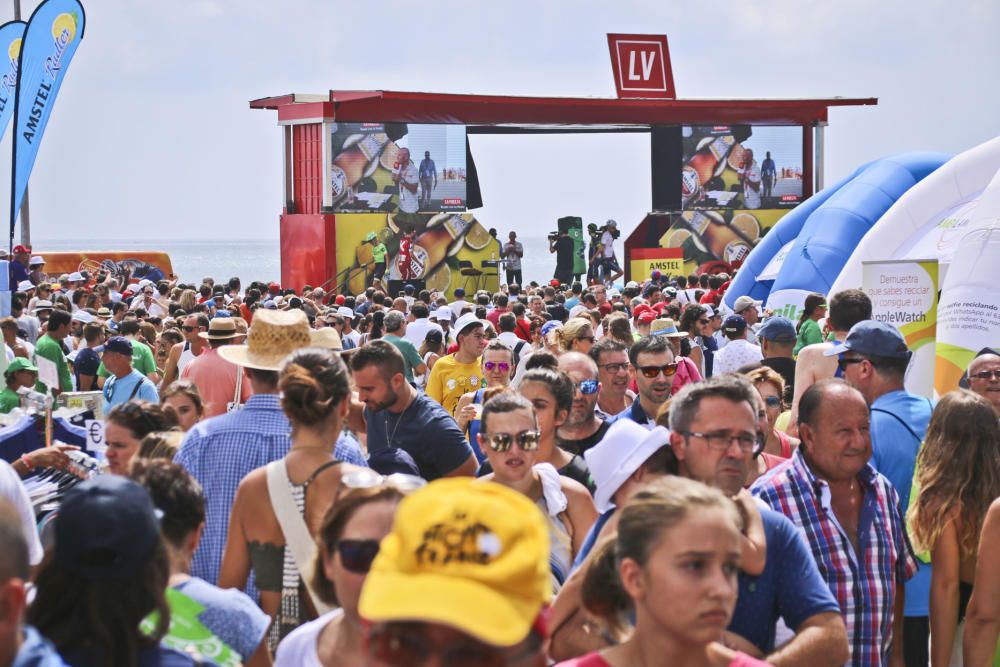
column 500, row 110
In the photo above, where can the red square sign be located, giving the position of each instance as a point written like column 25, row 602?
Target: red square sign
column 641, row 64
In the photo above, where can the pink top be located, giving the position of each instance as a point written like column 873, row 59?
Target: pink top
column 215, row 379
column 595, row 660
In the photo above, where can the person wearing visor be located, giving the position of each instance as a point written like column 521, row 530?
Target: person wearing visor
column 510, row 438
column 462, row 580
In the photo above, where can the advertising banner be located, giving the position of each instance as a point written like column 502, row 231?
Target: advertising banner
column 397, row 167
column 11, row 35
column 50, row 40
column 442, row 247
column 709, row 237
column 574, row 227
column 741, row 166
column 904, row 293
column 641, row 65
column 787, row 302
column 969, row 313
column 643, row 261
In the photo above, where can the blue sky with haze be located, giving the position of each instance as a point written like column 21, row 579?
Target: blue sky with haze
column 152, row 135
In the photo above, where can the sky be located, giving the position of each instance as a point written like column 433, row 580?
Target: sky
column 152, row 135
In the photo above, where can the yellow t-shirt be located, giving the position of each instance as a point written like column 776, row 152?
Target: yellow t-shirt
column 450, row 379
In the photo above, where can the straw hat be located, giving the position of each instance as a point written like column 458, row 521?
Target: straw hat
column 665, row 327
column 274, row 335
column 220, row 328
column 328, row 338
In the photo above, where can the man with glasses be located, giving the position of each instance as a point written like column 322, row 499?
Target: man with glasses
column 873, row 359
column 984, row 377
column 655, row 368
column 714, row 432
column 583, row 428
column 850, row 516
column 182, row 354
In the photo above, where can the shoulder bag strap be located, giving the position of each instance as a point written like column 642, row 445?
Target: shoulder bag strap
column 294, row 529
column 900, row 420
column 135, row 389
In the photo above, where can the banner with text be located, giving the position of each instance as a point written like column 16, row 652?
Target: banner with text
column 969, row 314
column 643, row 261
column 904, row 294
column 11, row 35
column 50, row 40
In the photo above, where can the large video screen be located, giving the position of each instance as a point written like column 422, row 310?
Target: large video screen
column 397, row 167
column 741, row 167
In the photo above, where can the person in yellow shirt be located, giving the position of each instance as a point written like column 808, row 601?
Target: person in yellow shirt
column 459, row 373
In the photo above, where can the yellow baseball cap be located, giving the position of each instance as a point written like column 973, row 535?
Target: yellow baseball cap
column 467, row 554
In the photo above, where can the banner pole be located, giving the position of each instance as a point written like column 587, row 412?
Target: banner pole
column 25, row 221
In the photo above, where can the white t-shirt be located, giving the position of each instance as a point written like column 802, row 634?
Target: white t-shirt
column 12, row 490
column 457, row 306
column 409, row 202
column 513, row 252
column 736, row 354
column 353, row 336
column 298, row 649
column 751, row 197
column 417, row 330
column 608, row 241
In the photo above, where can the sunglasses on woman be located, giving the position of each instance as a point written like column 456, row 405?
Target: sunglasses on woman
column 773, row 401
column 501, row 442
column 651, row 372
column 357, row 555
column 502, row 365
column 366, row 478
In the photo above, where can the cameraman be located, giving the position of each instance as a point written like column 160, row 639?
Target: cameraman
column 609, row 265
column 562, row 245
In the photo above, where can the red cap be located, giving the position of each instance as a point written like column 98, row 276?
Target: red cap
column 20, row 250
column 554, row 282
column 640, row 309
column 273, row 287
column 646, row 317
column 339, row 300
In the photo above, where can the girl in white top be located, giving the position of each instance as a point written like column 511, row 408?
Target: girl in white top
column 348, row 542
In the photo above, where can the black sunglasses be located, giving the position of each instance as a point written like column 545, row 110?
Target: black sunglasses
column 842, row 364
column 357, row 555
column 187, row 328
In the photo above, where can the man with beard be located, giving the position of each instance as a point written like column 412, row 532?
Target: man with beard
column 583, row 428
column 397, row 416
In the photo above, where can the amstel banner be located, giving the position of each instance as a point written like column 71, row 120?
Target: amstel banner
column 11, row 35
column 50, row 40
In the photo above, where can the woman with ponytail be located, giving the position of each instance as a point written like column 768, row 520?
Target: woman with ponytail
column 807, row 327
column 315, row 394
column 672, row 568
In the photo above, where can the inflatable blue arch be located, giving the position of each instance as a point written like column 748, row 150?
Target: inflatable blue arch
column 828, row 226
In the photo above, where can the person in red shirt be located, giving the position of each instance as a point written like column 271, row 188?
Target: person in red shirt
column 500, row 301
column 405, row 249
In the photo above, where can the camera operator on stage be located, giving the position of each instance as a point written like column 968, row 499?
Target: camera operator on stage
column 562, row 245
column 610, row 270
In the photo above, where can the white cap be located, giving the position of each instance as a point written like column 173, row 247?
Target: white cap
column 43, row 304
column 467, row 320
column 76, row 276
column 133, row 287
column 577, row 309
column 710, row 311
column 344, row 311
column 25, row 285
column 145, row 281
column 621, row 451
column 82, row 316
column 36, row 260
column 442, row 313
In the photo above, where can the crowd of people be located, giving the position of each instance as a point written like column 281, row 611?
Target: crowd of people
column 561, row 474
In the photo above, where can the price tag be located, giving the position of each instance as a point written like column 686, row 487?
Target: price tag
column 95, row 437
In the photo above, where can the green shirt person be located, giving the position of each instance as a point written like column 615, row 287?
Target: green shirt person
column 50, row 347
column 20, row 373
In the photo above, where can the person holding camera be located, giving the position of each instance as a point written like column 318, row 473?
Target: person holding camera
column 562, row 245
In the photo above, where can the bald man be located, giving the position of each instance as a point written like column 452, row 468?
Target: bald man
column 984, row 378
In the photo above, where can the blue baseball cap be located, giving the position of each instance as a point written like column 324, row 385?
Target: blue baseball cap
column 778, row 329
column 734, row 325
column 119, row 344
column 107, row 528
column 873, row 339
column 549, row 326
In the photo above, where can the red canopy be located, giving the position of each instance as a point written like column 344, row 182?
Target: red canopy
column 498, row 111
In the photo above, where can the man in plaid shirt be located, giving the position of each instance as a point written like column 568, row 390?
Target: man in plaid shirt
column 849, row 516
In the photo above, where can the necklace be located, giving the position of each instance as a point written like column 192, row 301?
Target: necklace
column 389, row 438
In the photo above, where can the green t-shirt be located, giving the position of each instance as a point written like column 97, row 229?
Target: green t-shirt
column 51, row 349
column 411, row 358
column 809, row 334
column 9, row 400
column 142, row 360
column 379, row 252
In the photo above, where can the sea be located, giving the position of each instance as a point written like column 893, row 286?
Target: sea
column 251, row 259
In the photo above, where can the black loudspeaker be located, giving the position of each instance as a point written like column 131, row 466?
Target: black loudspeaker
column 396, row 286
